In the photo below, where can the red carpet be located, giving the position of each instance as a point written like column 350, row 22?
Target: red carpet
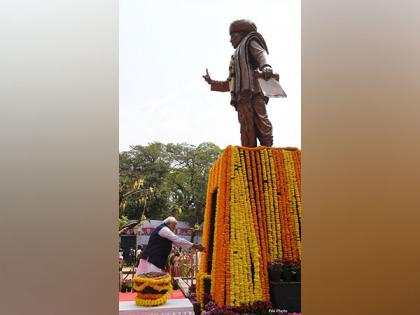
column 129, row 296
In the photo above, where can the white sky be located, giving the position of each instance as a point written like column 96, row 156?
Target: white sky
column 165, row 47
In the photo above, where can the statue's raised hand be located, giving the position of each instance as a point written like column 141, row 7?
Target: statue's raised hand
column 207, row 77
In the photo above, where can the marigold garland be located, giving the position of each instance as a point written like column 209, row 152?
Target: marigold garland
column 159, row 283
column 291, row 243
column 148, row 302
column 275, row 203
column 150, row 296
column 227, row 268
column 218, row 276
column 272, row 239
column 292, row 194
column 256, row 220
column 258, row 230
column 261, row 224
column 200, row 277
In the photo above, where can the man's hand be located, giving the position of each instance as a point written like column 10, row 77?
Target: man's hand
column 207, row 77
column 198, row 247
column 267, row 72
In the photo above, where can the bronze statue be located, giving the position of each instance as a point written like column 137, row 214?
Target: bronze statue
column 248, row 65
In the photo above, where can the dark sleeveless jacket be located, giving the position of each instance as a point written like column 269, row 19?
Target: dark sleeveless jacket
column 158, row 249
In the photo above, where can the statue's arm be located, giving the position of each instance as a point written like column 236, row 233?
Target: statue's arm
column 220, row 86
column 259, row 54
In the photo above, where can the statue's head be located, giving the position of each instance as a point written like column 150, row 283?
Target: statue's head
column 238, row 29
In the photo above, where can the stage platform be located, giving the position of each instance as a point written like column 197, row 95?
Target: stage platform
column 171, row 307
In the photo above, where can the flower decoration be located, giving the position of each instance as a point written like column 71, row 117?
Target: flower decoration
column 251, row 224
column 152, row 288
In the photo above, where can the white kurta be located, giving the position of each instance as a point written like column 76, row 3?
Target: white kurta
column 144, row 266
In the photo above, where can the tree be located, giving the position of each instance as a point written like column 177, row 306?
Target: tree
column 160, row 180
column 143, row 185
column 188, row 178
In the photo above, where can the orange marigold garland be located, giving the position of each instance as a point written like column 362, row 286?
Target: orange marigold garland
column 227, row 228
column 218, row 276
column 286, row 208
column 286, row 249
column 296, row 160
column 298, row 184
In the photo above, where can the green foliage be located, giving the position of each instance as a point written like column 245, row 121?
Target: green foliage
column 158, row 180
column 122, row 221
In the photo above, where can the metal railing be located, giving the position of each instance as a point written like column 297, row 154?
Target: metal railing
column 185, row 266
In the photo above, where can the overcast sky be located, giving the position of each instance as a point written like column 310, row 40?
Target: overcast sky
column 165, row 47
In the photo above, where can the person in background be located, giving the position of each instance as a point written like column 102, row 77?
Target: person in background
column 155, row 255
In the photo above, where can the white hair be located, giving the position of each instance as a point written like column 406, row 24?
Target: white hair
column 170, row 220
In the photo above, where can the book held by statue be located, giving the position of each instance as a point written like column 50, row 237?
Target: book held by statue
column 270, row 87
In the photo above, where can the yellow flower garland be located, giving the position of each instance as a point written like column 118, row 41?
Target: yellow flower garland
column 272, row 240
column 148, row 302
column 141, row 282
column 199, row 287
column 252, row 239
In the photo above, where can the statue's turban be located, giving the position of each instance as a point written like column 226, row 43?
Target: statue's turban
column 245, row 26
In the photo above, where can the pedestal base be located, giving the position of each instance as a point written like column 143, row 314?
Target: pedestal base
column 171, row 307
column 285, row 296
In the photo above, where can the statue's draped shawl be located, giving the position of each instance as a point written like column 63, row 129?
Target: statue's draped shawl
column 244, row 71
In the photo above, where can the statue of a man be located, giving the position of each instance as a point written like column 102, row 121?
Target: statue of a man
column 246, row 95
